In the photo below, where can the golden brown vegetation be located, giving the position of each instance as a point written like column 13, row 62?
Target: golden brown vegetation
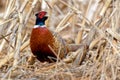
column 93, row 24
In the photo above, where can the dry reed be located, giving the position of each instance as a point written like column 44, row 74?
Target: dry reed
column 93, row 24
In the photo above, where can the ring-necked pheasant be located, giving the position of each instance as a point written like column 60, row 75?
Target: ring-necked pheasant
column 44, row 44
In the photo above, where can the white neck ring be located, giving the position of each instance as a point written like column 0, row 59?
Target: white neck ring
column 37, row 26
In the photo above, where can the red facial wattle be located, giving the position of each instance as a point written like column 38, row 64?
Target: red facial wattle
column 41, row 14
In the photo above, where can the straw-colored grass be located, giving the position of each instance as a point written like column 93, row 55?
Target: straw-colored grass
column 94, row 25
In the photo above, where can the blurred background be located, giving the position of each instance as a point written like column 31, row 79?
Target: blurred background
column 94, row 23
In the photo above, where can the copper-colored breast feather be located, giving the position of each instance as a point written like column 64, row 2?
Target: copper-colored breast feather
column 44, row 44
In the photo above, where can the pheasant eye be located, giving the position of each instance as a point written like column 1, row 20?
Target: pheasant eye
column 41, row 15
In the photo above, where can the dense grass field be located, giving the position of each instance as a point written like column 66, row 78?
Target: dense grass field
column 93, row 24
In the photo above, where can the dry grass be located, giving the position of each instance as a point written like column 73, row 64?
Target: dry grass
column 94, row 24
